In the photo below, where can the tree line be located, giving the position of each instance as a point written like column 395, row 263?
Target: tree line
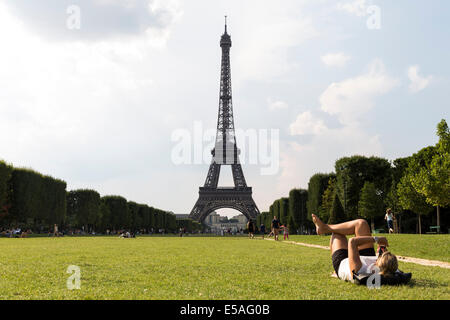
column 291, row 211
column 34, row 201
column 363, row 187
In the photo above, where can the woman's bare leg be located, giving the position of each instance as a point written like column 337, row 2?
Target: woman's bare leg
column 358, row 227
column 338, row 241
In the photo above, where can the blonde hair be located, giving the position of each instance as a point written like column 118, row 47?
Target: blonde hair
column 387, row 263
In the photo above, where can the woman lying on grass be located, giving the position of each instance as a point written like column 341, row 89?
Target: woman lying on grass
column 356, row 255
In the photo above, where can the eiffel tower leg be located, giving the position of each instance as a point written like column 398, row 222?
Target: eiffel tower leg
column 198, row 210
column 238, row 176
column 251, row 208
column 212, row 179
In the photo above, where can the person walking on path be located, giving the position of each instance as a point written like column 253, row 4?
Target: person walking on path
column 275, row 226
column 389, row 217
column 251, row 229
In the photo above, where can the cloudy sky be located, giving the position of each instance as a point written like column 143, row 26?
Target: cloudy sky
column 92, row 91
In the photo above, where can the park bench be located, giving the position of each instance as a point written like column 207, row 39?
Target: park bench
column 436, row 228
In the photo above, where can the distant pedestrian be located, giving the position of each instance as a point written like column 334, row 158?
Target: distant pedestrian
column 55, row 230
column 389, row 217
column 285, row 232
column 275, row 226
column 262, row 228
column 251, row 229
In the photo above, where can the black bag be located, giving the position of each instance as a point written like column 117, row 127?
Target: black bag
column 398, row 278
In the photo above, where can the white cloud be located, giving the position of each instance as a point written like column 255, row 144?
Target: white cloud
column 306, row 123
column 357, row 7
column 300, row 161
column 417, row 83
column 277, row 105
column 350, row 98
column 98, row 20
column 80, row 111
column 270, row 32
column 335, row 59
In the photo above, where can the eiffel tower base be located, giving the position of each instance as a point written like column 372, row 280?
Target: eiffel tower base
column 211, row 199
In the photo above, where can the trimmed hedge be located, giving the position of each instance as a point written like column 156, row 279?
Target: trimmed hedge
column 189, row 224
column 83, row 208
column 36, row 199
column 297, row 207
column 29, row 199
column 118, row 213
column 5, row 176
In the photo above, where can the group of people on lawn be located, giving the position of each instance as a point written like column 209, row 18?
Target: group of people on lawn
column 275, row 228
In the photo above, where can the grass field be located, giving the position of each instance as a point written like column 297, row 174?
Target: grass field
column 201, row 268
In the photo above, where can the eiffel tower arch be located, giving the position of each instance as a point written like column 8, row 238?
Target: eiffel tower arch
column 225, row 152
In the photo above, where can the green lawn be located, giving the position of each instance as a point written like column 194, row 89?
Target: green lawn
column 190, row 268
column 426, row 246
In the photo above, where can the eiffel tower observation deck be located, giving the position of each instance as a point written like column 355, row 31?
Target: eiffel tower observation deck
column 225, row 152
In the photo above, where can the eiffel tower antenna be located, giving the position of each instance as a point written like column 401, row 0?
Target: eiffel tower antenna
column 225, row 152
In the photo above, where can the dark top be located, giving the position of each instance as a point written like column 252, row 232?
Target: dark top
column 276, row 223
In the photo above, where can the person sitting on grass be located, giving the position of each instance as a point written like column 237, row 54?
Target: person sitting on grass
column 357, row 254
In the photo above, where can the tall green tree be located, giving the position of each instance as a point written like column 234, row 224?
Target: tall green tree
column 104, row 216
column 83, row 208
column 317, row 185
column 133, row 215
column 408, row 196
column 297, row 208
column 370, row 203
column 353, row 172
column 327, row 200
column 392, row 201
column 337, row 214
column 431, row 177
column 36, row 199
column 276, row 209
column 118, row 212
column 291, row 225
column 5, row 176
column 284, row 210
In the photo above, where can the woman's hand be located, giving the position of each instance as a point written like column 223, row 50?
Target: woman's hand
column 382, row 241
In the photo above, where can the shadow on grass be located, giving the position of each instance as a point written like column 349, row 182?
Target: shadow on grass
column 425, row 283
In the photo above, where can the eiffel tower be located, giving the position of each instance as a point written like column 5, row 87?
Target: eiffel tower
column 225, row 152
